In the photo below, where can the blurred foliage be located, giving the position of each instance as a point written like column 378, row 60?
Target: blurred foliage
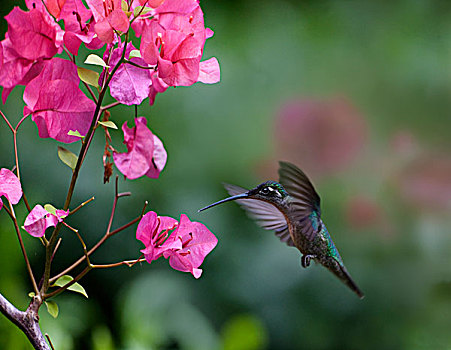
column 391, row 61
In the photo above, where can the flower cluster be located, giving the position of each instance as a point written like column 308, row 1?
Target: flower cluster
column 186, row 247
column 172, row 38
column 40, row 51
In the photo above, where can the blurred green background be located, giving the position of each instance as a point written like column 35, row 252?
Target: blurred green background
column 357, row 93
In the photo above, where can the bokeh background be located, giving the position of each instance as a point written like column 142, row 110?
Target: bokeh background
column 356, row 93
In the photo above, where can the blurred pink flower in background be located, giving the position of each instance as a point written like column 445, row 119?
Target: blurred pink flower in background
column 319, row 135
column 425, row 183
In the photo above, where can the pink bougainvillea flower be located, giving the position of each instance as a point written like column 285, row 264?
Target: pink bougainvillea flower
column 174, row 39
column 109, row 16
column 145, row 152
column 332, row 130
column 158, row 86
column 78, row 26
column 31, row 38
column 186, row 247
column 197, row 243
column 56, row 103
column 9, row 187
column 39, row 219
column 32, row 34
column 153, row 232
column 130, row 85
column 15, row 70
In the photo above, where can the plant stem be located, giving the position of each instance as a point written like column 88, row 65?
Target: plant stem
column 27, row 321
column 84, row 148
column 22, row 247
column 111, row 105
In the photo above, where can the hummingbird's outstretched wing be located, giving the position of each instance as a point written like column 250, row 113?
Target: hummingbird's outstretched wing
column 304, row 199
column 266, row 215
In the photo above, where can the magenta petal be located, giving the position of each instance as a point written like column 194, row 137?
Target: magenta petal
column 140, row 147
column 104, row 31
column 10, row 186
column 119, row 20
column 179, row 6
column 56, row 102
column 209, row 72
column 73, row 8
column 197, row 241
column 62, row 107
column 146, row 227
column 56, row 68
column 130, row 85
column 38, row 220
column 148, row 231
column 159, row 159
column 15, row 69
column 32, row 34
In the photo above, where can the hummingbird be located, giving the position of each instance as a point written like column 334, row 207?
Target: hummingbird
column 291, row 208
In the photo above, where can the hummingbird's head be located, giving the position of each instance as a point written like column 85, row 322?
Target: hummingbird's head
column 269, row 191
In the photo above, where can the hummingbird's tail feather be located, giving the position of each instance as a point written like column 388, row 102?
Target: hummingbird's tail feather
column 346, row 278
column 340, row 271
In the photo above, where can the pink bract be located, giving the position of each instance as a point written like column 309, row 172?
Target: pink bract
column 186, row 247
column 32, row 34
column 57, row 104
column 39, row 219
column 174, row 39
column 197, row 243
column 145, row 152
column 109, row 16
column 9, row 186
column 152, row 231
column 130, row 85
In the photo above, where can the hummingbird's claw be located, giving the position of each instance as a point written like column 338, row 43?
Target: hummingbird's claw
column 305, row 260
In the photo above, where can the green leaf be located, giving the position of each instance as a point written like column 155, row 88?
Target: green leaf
column 108, row 124
column 76, row 287
column 31, row 294
column 143, row 12
column 75, row 133
column 52, row 308
column 50, row 208
column 96, row 60
column 88, row 76
column 124, row 5
column 67, row 157
column 134, row 53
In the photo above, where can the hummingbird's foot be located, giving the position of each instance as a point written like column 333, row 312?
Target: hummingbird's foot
column 305, row 260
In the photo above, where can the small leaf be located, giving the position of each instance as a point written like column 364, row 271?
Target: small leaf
column 67, row 157
column 75, row 133
column 134, row 53
column 138, row 11
column 124, row 5
column 96, row 60
column 52, row 308
column 108, row 124
column 50, row 208
column 76, row 287
column 88, row 76
column 31, row 294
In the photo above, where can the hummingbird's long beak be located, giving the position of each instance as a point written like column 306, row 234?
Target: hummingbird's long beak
column 238, row 196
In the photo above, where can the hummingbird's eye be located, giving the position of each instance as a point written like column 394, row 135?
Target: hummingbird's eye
column 264, row 190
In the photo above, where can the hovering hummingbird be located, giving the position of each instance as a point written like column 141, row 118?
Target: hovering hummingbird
column 291, row 207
